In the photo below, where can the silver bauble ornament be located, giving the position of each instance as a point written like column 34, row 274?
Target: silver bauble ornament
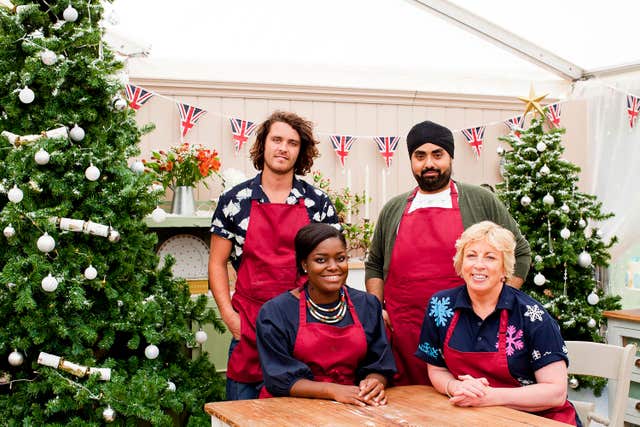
column 582, row 223
column 48, row 57
column 119, row 104
column 541, row 146
column 158, row 215
column 92, row 173
column 114, row 236
column 26, row 95
column 525, row 201
column 76, row 133
column 15, row 195
column 49, row 283
column 544, row 170
column 137, row 167
column 548, row 199
column 109, row 414
column 573, row 383
column 592, row 323
column 15, row 358
column 593, row 298
column 588, row 232
column 201, row 337
column 565, row 233
column 41, row 157
column 584, row 259
column 151, row 351
column 539, row 279
column 90, row 272
column 171, row 386
column 70, row 14
column 9, row 231
column 46, row 243
column 564, row 208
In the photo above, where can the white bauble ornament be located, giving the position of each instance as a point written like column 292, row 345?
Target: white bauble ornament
column 541, row 146
column 120, row 303
column 70, row 14
column 119, row 104
column 76, row 133
column 151, row 351
column 584, row 259
column 171, row 386
column 15, row 358
column 109, row 414
column 525, row 201
column 201, row 337
column 26, row 95
column 114, row 236
column 564, row 208
column 544, row 170
column 592, row 323
column 137, row 167
column 500, row 150
column 565, row 233
column 41, row 157
column 573, row 383
column 92, row 173
column 15, row 195
column 48, row 57
column 582, row 223
column 537, row 258
column 46, row 243
column 588, row 232
column 90, row 272
column 9, row 231
column 539, row 279
column 49, row 283
column 548, row 199
column 158, row 215
column 593, row 298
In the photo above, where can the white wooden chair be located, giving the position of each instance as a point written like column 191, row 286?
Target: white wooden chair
column 606, row 361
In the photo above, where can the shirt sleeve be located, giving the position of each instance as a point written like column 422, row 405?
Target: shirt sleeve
column 276, row 332
column 434, row 326
column 546, row 342
column 379, row 358
column 328, row 213
column 221, row 224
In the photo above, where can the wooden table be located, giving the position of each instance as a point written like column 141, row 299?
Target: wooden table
column 407, row 406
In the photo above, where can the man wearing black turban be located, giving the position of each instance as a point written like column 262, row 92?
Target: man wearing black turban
column 410, row 257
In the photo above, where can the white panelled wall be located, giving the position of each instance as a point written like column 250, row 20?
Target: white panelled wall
column 363, row 113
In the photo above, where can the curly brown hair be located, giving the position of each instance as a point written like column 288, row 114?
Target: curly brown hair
column 308, row 149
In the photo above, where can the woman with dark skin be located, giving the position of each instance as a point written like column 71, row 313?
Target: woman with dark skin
column 324, row 340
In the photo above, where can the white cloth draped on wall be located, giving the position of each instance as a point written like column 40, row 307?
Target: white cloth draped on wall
column 614, row 158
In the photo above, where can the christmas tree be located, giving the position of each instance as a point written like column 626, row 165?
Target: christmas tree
column 93, row 331
column 561, row 224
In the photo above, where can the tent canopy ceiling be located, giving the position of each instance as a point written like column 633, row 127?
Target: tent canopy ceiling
column 381, row 44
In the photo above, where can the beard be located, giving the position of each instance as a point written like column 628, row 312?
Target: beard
column 433, row 183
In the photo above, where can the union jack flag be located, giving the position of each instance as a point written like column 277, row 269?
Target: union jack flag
column 515, row 123
column 342, row 144
column 474, row 137
column 189, row 115
column 387, row 146
column 633, row 109
column 553, row 114
column 137, row 96
column 241, row 130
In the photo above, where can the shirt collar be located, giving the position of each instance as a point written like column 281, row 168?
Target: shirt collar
column 507, row 299
column 297, row 189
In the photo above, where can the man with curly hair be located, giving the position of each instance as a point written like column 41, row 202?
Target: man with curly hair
column 254, row 226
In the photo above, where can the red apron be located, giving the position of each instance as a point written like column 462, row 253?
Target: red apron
column 494, row 367
column 267, row 269
column 421, row 265
column 333, row 353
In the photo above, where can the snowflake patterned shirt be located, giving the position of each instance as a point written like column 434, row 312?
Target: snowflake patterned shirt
column 533, row 336
column 231, row 217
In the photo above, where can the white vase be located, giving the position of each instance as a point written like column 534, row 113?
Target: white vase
column 184, row 202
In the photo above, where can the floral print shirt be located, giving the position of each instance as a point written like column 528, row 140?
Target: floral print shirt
column 533, row 336
column 231, row 217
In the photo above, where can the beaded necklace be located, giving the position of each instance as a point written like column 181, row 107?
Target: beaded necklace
column 328, row 315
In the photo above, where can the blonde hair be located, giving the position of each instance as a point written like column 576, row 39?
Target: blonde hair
column 495, row 235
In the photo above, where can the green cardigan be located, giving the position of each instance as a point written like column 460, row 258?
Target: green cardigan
column 476, row 204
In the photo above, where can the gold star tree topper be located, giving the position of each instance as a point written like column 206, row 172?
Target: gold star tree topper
column 532, row 103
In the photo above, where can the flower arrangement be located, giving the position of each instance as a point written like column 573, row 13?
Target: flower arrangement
column 183, row 165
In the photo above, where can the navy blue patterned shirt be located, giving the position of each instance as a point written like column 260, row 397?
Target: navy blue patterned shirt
column 231, row 218
column 533, row 336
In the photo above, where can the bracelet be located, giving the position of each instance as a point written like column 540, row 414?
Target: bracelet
column 446, row 388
